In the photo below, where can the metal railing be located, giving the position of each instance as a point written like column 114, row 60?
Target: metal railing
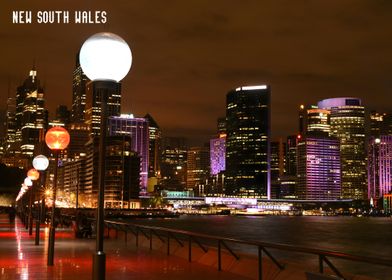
column 263, row 248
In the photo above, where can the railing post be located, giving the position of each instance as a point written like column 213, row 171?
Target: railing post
column 321, row 264
column 219, row 256
column 260, row 262
column 190, row 249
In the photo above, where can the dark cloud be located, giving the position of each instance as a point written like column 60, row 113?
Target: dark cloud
column 189, row 54
column 244, row 74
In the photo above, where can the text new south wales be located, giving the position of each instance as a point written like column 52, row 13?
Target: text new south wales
column 59, row 17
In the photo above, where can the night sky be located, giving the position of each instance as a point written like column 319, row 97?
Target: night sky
column 189, row 54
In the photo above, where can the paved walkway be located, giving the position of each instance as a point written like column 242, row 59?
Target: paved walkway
column 21, row 259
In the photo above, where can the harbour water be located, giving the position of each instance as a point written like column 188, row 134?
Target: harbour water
column 354, row 235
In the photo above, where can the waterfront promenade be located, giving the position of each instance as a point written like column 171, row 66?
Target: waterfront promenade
column 21, row 259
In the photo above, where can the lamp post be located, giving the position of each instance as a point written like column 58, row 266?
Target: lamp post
column 27, row 182
column 40, row 163
column 33, row 175
column 57, row 139
column 106, row 59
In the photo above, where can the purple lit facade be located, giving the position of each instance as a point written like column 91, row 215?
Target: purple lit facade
column 319, row 172
column 138, row 129
column 379, row 166
column 218, row 155
column 347, row 123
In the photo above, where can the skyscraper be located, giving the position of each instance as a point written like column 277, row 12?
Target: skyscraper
column 78, row 93
column 348, row 126
column 379, row 166
column 317, row 121
column 10, row 127
column 313, row 119
column 30, row 113
column 302, row 119
column 79, row 134
column 378, row 125
column 221, row 126
column 137, row 129
column 278, row 151
column 248, row 141
column 122, row 171
column 173, row 163
column 198, row 164
column 291, row 155
column 154, row 146
column 93, row 104
column 218, row 154
column 319, row 176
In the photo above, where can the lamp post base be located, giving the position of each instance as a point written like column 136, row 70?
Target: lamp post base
column 99, row 265
column 51, row 245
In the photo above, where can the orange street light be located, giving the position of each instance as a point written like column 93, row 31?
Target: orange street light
column 57, row 138
column 33, row 174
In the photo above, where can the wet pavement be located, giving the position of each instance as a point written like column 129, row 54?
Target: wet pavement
column 21, row 259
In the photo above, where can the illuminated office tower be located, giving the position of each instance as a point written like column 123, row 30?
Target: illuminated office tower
column 291, row 155
column 218, row 155
column 218, row 159
column 30, row 113
column 173, row 163
column 387, row 124
column 378, row 124
column 313, row 120
column 278, row 151
column 93, row 104
column 379, row 167
column 221, row 126
column 347, row 117
column 318, row 168
column 302, row 119
column 122, row 172
column 79, row 81
column 198, row 165
column 79, row 134
column 248, row 141
column 137, row 129
column 317, row 121
column 10, row 127
column 154, row 147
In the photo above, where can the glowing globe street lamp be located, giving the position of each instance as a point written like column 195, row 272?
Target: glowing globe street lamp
column 57, row 139
column 28, row 183
column 40, row 163
column 106, row 59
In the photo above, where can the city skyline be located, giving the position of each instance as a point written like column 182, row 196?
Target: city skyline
column 187, row 56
